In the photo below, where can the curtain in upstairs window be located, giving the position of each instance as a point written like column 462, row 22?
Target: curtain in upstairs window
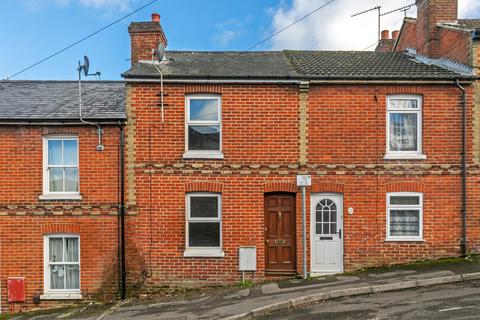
column 403, row 132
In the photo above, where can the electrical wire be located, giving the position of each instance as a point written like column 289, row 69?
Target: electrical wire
column 277, row 33
column 290, row 25
column 364, row 49
column 81, row 40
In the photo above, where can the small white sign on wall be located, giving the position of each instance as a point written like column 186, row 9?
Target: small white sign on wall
column 304, row 180
column 247, row 258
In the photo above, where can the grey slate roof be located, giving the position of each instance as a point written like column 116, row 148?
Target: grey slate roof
column 290, row 65
column 58, row 100
column 258, row 64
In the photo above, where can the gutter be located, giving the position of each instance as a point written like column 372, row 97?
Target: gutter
column 463, row 242
column 298, row 81
column 121, row 258
column 14, row 122
column 187, row 80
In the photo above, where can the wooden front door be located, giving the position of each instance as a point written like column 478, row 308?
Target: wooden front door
column 280, row 257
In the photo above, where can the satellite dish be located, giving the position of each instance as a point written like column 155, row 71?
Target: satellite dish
column 160, row 52
column 86, row 65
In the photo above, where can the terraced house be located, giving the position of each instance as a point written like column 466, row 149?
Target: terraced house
column 59, row 195
column 216, row 141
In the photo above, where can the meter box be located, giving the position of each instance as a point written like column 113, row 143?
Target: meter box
column 16, row 289
column 247, row 258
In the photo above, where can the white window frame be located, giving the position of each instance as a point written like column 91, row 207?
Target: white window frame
column 59, row 294
column 203, row 251
column 47, row 194
column 203, row 154
column 418, row 207
column 417, row 154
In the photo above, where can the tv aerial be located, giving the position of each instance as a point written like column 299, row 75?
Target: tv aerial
column 85, row 68
column 159, row 55
column 160, row 52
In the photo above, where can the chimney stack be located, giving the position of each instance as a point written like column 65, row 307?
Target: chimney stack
column 386, row 43
column 430, row 13
column 145, row 37
column 395, row 34
column 385, row 35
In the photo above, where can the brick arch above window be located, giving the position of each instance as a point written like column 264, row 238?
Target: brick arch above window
column 51, row 228
column 327, row 187
column 203, row 186
column 280, row 186
column 203, row 88
column 407, row 186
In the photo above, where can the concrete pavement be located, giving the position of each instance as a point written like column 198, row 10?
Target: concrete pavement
column 453, row 301
column 259, row 301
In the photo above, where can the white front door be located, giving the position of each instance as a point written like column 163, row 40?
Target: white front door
column 326, row 233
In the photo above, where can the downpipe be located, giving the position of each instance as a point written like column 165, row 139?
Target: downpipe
column 463, row 242
column 122, row 272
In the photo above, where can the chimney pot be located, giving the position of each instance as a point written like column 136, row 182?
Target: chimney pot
column 385, row 34
column 155, row 17
column 395, row 34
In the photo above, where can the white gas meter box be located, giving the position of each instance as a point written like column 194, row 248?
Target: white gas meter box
column 304, row 180
column 247, row 258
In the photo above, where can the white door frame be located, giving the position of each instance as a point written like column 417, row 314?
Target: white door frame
column 314, row 198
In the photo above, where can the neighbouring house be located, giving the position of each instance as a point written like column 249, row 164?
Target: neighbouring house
column 59, row 196
column 214, row 150
column 438, row 36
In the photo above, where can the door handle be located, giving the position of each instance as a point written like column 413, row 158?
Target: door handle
column 339, row 233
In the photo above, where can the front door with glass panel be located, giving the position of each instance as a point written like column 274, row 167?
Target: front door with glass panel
column 326, row 233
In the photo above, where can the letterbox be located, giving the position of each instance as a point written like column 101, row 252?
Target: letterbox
column 16, row 289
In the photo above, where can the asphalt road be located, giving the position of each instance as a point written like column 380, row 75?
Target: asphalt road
column 453, row 301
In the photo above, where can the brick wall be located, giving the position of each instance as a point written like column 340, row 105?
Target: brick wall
column 24, row 219
column 407, row 36
column 342, row 117
column 342, row 138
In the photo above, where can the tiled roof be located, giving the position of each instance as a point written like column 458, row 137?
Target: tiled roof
column 58, row 100
column 290, row 65
column 469, row 23
column 363, row 65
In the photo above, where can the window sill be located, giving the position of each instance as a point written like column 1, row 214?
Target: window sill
column 73, row 196
column 204, row 253
column 61, row 296
column 203, row 155
column 404, row 240
column 390, row 156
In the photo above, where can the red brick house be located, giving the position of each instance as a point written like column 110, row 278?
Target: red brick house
column 438, row 36
column 212, row 164
column 59, row 196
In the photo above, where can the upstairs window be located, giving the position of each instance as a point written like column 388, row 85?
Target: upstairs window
column 404, row 127
column 404, row 216
column 203, row 127
column 61, row 166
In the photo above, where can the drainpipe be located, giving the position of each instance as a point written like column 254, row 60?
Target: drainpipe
column 463, row 243
column 122, row 274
